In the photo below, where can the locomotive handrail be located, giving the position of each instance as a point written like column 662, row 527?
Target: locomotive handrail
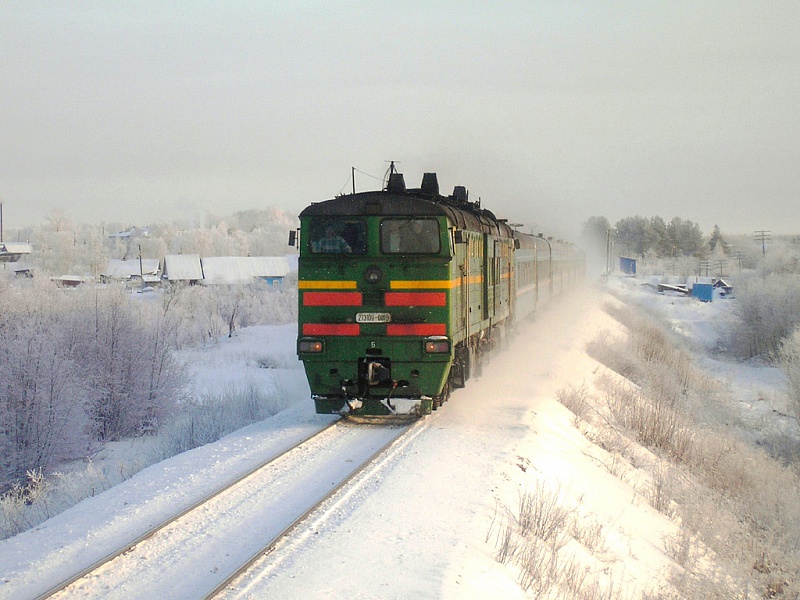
column 550, row 264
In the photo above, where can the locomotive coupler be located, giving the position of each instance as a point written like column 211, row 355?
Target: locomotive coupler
column 377, row 373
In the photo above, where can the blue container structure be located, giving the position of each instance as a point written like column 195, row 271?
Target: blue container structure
column 703, row 292
column 627, row 265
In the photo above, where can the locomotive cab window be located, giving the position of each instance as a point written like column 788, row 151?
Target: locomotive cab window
column 338, row 236
column 410, row 236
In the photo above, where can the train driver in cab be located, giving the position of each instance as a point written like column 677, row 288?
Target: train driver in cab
column 331, row 243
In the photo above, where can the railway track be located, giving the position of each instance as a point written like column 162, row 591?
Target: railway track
column 214, row 541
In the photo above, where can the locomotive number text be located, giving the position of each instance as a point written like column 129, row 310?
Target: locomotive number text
column 373, row 317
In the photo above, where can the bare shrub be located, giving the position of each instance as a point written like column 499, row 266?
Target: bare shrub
column 589, row 532
column 15, row 504
column 507, row 547
column 610, row 440
column 576, row 579
column 576, row 400
column 739, row 509
column 538, row 564
column 42, row 496
column 534, row 538
column 211, row 417
column 655, row 422
column 200, row 315
column 615, row 357
column 660, row 494
column 542, row 515
column 616, row 447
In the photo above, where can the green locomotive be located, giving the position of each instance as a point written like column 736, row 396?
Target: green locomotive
column 402, row 292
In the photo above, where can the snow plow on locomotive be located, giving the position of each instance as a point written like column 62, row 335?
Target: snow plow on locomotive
column 403, row 291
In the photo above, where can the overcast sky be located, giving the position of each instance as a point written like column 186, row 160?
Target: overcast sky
column 550, row 112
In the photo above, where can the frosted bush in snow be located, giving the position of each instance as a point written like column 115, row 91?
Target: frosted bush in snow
column 768, row 309
column 128, row 361
column 42, row 393
column 790, row 364
column 80, row 366
column 202, row 314
column 213, row 416
column 707, row 476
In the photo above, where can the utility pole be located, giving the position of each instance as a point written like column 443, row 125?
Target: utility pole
column 141, row 270
column 1, row 222
column 763, row 237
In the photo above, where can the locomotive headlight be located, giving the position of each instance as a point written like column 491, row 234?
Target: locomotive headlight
column 437, row 345
column 373, row 274
column 312, row 346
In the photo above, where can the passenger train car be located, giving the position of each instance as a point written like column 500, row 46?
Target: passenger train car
column 402, row 292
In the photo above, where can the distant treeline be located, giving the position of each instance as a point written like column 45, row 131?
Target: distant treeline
column 639, row 236
column 61, row 246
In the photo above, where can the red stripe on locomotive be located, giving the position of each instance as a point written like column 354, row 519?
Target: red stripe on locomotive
column 331, row 329
column 416, row 299
column 332, row 299
column 416, row 329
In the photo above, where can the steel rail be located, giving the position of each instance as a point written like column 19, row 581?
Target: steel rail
column 59, row 587
column 273, row 543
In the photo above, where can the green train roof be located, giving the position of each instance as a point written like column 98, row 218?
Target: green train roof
column 396, row 200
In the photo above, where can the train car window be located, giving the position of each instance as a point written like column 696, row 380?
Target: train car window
column 410, row 236
column 338, row 236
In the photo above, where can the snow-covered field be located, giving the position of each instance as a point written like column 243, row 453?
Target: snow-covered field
column 427, row 519
column 759, row 387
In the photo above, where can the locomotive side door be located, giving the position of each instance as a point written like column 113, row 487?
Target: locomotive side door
column 465, row 290
column 488, row 278
column 497, row 275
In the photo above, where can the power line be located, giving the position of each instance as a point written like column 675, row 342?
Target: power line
column 763, row 237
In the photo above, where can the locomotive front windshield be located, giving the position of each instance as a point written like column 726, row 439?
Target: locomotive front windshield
column 338, row 236
column 410, row 236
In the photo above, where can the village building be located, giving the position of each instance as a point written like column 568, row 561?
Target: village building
column 145, row 271
column 182, row 268
column 14, row 251
column 244, row 270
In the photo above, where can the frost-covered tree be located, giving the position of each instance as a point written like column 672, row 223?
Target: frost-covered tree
column 716, row 238
column 790, row 365
column 595, row 231
column 594, row 241
column 659, row 237
column 633, row 235
column 78, row 366
column 768, row 310
column 128, row 362
column 42, row 391
column 687, row 237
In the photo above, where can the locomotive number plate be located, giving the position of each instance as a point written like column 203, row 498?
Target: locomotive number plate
column 373, row 317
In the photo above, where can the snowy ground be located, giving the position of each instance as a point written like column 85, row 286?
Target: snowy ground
column 759, row 387
column 425, row 522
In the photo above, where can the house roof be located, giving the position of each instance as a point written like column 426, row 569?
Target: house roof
column 243, row 269
column 125, row 269
column 183, row 267
column 133, row 231
column 15, row 248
